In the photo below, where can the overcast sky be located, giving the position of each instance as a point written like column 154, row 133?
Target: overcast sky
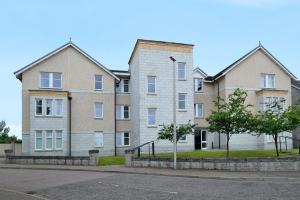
column 222, row 31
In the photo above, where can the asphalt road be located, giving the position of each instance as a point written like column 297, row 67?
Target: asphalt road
column 53, row 184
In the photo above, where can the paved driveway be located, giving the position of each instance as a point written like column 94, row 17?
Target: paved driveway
column 52, row 184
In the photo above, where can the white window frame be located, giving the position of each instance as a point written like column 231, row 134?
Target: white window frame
column 123, row 138
column 265, row 81
column 123, row 86
column 155, row 117
column 98, row 81
column 62, row 107
column 196, row 83
column 184, row 94
column 36, row 106
column 183, row 140
column 51, row 107
column 51, row 80
column 62, row 139
column 122, row 112
column 196, row 110
column 179, row 78
column 101, row 137
column 35, row 138
column 46, row 138
column 95, row 110
column 151, row 84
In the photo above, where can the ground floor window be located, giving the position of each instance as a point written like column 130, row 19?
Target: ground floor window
column 58, row 140
column 98, row 139
column 48, row 140
column 123, row 139
column 38, row 140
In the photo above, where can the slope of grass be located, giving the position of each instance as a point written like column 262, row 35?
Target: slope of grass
column 111, row 160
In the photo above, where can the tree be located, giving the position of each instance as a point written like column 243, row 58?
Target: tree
column 232, row 116
column 166, row 133
column 275, row 120
column 4, row 137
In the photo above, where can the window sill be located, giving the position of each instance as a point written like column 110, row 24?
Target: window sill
column 122, row 92
column 53, row 88
column 185, row 141
column 199, row 92
column 98, row 90
column 152, row 94
column 152, row 126
column 181, row 79
column 48, row 116
column 98, row 118
column 47, row 150
column 122, row 146
column 182, row 110
column 199, row 117
column 123, row 119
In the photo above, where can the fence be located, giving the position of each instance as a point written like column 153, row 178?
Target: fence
column 15, row 147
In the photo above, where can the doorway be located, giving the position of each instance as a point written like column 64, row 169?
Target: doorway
column 200, row 139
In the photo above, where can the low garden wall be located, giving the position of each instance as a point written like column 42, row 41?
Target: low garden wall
column 230, row 164
column 90, row 160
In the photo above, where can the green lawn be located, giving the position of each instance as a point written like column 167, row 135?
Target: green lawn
column 120, row 160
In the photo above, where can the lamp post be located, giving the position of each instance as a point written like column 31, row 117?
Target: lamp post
column 174, row 113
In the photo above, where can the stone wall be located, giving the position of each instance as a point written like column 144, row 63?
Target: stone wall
column 231, row 164
column 16, row 147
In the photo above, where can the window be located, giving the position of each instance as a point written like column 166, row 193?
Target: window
column 38, row 140
column 49, row 107
column 198, row 84
column 183, row 138
column 58, row 140
column 181, row 101
column 122, row 112
column 275, row 104
column 98, row 110
column 49, row 139
column 151, row 116
column 50, row 80
column 123, row 85
column 98, row 82
column 267, row 80
column 151, row 84
column 181, row 71
column 126, row 85
column 98, row 139
column 39, row 107
column 123, row 139
column 58, row 107
column 198, row 110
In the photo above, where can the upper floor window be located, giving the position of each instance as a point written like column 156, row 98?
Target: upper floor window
column 123, row 139
column 49, row 106
column 181, row 71
column 268, row 80
column 151, row 84
column 122, row 112
column 98, row 110
column 58, row 107
column 98, row 139
column 152, row 116
column 50, row 80
column 53, row 107
column 275, row 104
column 123, row 85
column 38, row 106
column 98, row 82
column 198, row 110
column 181, row 101
column 198, row 84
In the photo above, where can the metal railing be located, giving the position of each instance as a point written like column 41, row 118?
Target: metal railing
column 285, row 141
column 151, row 150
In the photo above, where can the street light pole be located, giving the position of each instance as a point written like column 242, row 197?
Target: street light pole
column 174, row 113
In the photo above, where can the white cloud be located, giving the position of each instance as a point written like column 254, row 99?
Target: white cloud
column 15, row 129
column 259, row 3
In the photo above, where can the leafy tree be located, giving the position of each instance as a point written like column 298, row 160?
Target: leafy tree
column 166, row 133
column 232, row 116
column 275, row 120
column 4, row 137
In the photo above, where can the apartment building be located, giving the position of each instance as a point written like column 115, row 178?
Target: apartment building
column 71, row 103
column 296, row 100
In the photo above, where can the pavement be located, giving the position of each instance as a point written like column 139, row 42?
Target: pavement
column 117, row 182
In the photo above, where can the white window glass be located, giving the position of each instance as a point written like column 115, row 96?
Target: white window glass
column 151, row 116
column 38, row 140
column 119, row 112
column 181, row 101
column 119, row 86
column 123, row 139
column 45, row 79
column 56, row 80
column 49, row 140
column 58, row 140
column 98, row 139
column 38, row 106
column 58, row 107
column 151, row 84
column 181, row 71
column 49, row 107
column 98, row 110
column 198, row 110
column 98, row 82
column 267, row 80
column 126, row 85
column 198, row 84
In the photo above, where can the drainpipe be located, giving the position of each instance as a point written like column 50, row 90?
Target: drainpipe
column 115, row 99
column 218, row 111
column 70, row 126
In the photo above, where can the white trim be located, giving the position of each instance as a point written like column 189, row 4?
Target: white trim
column 69, row 44
column 298, row 88
column 154, row 84
column 35, row 106
column 123, row 138
column 46, row 131
column 179, row 79
column 185, row 103
column 62, row 140
column 196, row 110
column 195, row 79
column 101, row 136
column 50, row 77
column 251, row 53
column 155, row 115
column 36, row 149
column 122, row 112
column 100, row 117
column 62, row 107
column 98, row 81
column 201, row 72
